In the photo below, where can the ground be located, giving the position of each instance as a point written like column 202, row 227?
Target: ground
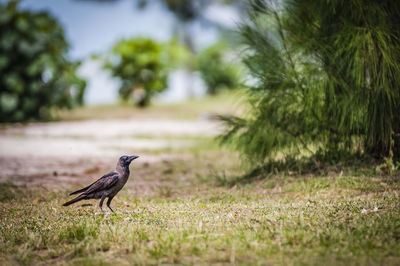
column 182, row 204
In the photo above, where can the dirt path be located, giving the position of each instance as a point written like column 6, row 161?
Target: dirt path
column 99, row 138
column 66, row 153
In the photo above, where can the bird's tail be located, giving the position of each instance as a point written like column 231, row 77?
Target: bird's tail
column 79, row 191
column 80, row 197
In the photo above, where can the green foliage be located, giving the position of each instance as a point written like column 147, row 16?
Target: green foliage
column 216, row 70
column 187, row 10
column 177, row 55
column 327, row 77
column 35, row 74
column 362, row 65
column 143, row 64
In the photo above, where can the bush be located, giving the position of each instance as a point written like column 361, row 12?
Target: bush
column 35, row 74
column 218, row 72
column 327, row 77
column 140, row 64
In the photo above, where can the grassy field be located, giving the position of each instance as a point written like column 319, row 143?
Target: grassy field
column 223, row 103
column 190, row 210
column 336, row 219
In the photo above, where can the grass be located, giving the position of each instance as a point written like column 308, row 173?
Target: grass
column 193, row 209
column 309, row 220
column 224, row 103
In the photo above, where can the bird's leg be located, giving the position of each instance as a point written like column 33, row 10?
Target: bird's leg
column 101, row 203
column 109, row 202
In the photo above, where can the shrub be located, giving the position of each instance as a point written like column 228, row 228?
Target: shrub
column 140, row 65
column 327, row 80
column 35, row 73
column 217, row 71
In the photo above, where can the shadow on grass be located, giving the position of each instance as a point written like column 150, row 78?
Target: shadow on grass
column 8, row 192
column 351, row 164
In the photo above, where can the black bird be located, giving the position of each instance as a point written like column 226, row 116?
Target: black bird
column 107, row 186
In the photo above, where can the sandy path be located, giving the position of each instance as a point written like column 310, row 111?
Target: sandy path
column 116, row 128
column 68, row 152
column 99, row 138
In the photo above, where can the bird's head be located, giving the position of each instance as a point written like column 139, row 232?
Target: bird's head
column 126, row 160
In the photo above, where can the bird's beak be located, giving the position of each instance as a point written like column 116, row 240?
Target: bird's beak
column 133, row 157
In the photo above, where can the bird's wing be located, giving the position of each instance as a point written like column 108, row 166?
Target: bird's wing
column 86, row 188
column 103, row 183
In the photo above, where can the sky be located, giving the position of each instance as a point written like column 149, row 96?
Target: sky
column 93, row 27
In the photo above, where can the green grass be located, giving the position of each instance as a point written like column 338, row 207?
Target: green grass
column 228, row 102
column 8, row 192
column 193, row 208
column 283, row 220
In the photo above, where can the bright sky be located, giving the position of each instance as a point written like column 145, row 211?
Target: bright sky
column 93, row 27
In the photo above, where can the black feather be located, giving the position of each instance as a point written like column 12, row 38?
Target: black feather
column 86, row 188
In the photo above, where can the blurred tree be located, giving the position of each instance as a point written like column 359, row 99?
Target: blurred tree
column 328, row 77
column 142, row 65
column 34, row 72
column 189, row 11
column 216, row 70
column 186, row 12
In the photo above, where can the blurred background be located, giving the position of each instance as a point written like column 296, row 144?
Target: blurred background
column 57, row 54
column 87, row 79
column 303, row 95
column 309, row 90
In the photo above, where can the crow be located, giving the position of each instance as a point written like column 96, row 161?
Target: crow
column 107, row 186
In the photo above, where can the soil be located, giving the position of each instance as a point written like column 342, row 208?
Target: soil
column 69, row 154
